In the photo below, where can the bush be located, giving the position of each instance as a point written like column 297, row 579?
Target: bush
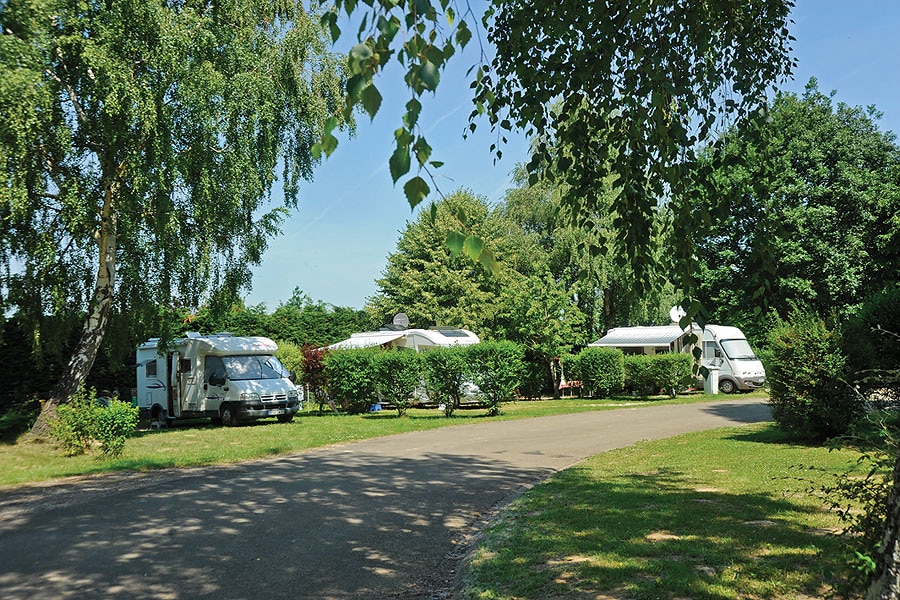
column 870, row 341
column 497, row 368
column 535, row 376
column 808, row 395
column 601, row 371
column 398, row 374
column 114, row 422
column 314, row 376
column 351, row 378
column 446, row 375
column 639, row 375
column 84, row 420
column 75, row 422
column 671, row 372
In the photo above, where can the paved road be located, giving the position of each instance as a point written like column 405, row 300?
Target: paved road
column 384, row 518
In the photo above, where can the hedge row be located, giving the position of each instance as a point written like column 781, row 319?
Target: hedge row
column 607, row 371
column 358, row 378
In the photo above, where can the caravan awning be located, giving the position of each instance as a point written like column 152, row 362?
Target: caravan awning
column 636, row 337
column 368, row 339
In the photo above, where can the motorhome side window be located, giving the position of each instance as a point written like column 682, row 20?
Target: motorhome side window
column 150, row 369
column 214, row 368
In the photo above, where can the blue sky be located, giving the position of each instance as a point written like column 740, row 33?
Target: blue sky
column 336, row 244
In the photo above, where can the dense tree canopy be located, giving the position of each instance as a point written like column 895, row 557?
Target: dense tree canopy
column 139, row 142
column 812, row 202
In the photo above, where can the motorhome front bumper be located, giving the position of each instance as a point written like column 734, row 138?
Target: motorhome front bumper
column 255, row 407
column 752, row 382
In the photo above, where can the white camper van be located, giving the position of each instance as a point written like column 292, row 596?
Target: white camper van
column 725, row 348
column 226, row 378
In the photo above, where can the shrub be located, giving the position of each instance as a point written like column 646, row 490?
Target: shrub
column 314, row 376
column 75, row 422
column 870, row 341
column 446, row 375
column 601, row 371
column 535, row 376
column 351, row 378
column 84, row 420
column 671, row 372
column 115, row 422
column 291, row 356
column 808, row 395
column 497, row 368
column 639, row 375
column 398, row 374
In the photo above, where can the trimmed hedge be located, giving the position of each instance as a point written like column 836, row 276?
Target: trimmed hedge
column 498, row 369
column 398, row 373
column 648, row 375
column 601, row 371
column 351, row 378
column 446, row 374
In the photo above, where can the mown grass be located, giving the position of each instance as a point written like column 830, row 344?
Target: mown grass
column 713, row 515
column 200, row 443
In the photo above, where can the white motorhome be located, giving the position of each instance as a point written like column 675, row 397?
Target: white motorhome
column 226, row 378
column 724, row 348
column 415, row 339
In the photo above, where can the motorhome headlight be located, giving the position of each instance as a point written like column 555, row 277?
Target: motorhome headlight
column 250, row 398
column 293, row 394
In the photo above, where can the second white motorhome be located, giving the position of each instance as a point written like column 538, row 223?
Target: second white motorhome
column 226, row 378
column 724, row 348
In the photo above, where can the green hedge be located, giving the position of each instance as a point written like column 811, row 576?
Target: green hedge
column 649, row 375
column 446, row 374
column 398, row 372
column 497, row 369
column 600, row 370
column 351, row 378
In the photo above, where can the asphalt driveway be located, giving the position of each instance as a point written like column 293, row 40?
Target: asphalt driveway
column 384, row 518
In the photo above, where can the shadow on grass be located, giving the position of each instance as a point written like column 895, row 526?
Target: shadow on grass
column 652, row 535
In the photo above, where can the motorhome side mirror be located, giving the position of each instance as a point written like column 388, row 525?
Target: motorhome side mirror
column 216, row 380
column 292, row 376
column 184, row 365
column 718, row 353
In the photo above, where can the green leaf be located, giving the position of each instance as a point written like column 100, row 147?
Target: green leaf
column 371, row 100
column 455, row 241
column 429, row 74
column 399, row 162
column 489, row 262
column 416, row 190
column 422, row 149
column 411, row 116
column 473, row 247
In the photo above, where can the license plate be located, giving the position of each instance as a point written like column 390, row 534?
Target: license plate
column 276, row 411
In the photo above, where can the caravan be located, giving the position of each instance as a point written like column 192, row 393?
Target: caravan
column 725, row 350
column 226, row 378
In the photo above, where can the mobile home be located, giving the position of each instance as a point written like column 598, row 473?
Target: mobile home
column 723, row 348
column 226, row 378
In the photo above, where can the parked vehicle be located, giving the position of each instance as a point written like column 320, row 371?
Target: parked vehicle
column 723, row 348
column 226, row 378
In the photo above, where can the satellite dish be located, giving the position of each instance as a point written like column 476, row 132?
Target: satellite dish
column 401, row 320
column 676, row 313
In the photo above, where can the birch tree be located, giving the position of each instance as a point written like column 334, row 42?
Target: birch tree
column 140, row 141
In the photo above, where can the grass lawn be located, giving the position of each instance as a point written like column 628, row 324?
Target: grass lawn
column 196, row 444
column 718, row 514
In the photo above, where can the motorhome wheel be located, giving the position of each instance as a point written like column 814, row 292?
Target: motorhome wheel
column 285, row 418
column 229, row 416
column 726, row 386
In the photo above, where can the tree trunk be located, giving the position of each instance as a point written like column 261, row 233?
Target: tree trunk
column 95, row 323
column 555, row 376
column 885, row 584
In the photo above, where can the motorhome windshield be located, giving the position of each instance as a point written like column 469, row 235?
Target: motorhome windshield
column 738, row 350
column 253, row 367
